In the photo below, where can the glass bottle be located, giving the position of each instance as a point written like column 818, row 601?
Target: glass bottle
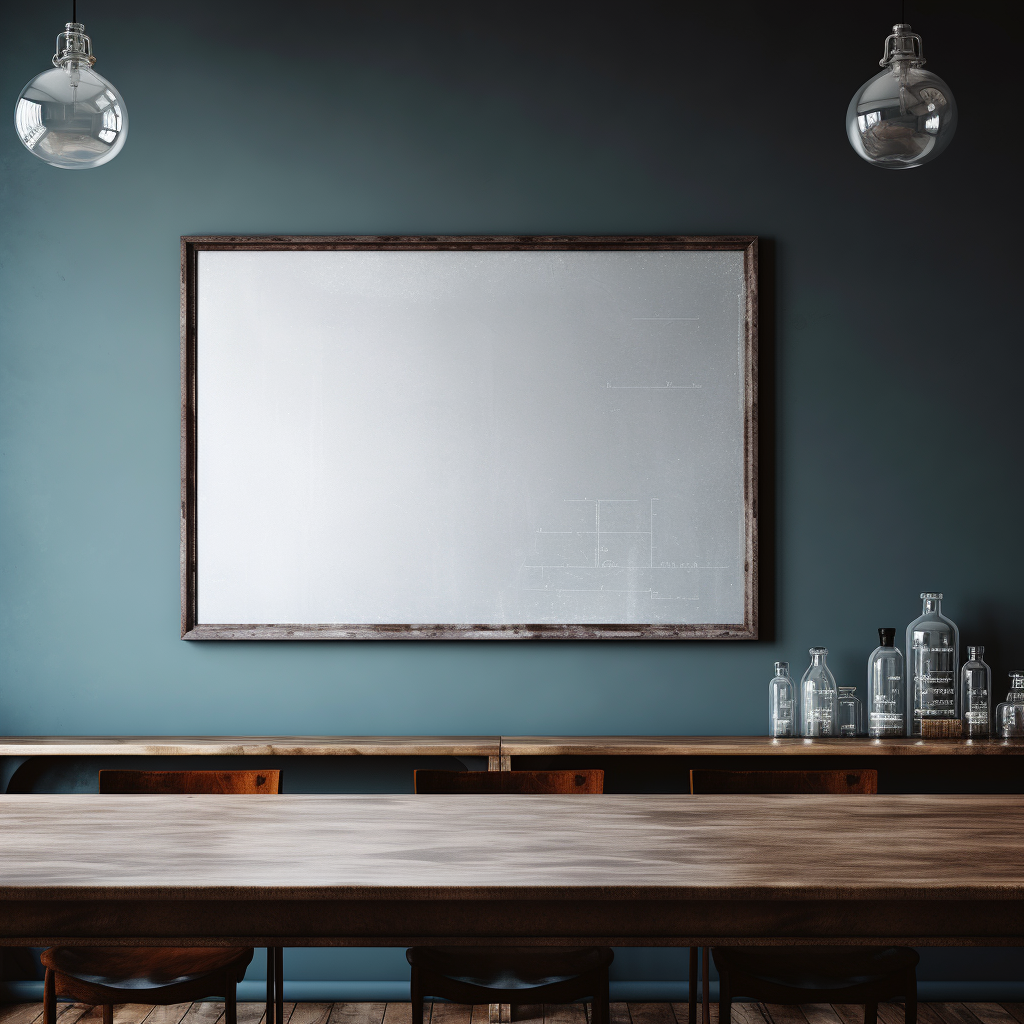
column 780, row 702
column 848, row 712
column 818, row 697
column 933, row 655
column 1010, row 714
column 975, row 695
column 887, row 697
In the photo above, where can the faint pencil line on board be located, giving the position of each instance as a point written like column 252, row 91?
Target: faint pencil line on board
column 609, row 386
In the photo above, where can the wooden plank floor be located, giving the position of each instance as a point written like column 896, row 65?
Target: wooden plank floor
column 574, row 1013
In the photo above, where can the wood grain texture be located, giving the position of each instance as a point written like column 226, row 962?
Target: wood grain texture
column 251, row 746
column 199, row 1013
column 660, row 846
column 500, row 749
column 422, row 870
column 265, row 782
column 703, row 746
column 844, row 781
column 310, row 1013
column 991, row 1013
column 192, row 629
column 579, row 781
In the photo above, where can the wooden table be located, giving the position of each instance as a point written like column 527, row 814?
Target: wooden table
column 751, row 746
column 499, row 750
column 619, row 870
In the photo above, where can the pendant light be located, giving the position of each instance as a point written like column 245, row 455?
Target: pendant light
column 69, row 116
column 904, row 116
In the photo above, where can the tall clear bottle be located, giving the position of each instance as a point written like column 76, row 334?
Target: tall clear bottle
column 781, row 706
column 933, row 655
column 976, row 695
column 819, row 697
column 887, row 691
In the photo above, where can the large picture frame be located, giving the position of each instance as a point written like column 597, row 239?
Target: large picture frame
column 469, row 437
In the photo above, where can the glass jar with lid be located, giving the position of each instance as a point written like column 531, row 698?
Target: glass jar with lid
column 933, row 658
column 887, row 692
column 1010, row 714
column 818, row 697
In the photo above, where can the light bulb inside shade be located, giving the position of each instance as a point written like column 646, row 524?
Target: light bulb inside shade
column 70, row 116
column 904, row 116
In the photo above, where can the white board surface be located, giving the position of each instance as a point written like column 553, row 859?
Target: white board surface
column 470, row 437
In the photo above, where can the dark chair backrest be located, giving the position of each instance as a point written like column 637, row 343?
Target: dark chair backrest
column 118, row 781
column 848, row 780
column 584, row 780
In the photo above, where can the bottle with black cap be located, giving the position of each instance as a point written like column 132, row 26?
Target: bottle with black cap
column 887, row 688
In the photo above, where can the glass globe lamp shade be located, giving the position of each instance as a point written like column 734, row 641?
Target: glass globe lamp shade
column 70, row 116
column 904, row 116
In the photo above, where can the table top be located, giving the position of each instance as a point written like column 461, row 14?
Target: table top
column 459, row 746
column 702, row 746
column 251, row 746
column 660, row 847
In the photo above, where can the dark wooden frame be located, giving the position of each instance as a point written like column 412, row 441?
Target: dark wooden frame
column 191, row 629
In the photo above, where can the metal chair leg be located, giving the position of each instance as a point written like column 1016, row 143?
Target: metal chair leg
column 279, row 979
column 271, row 986
column 705, row 985
column 691, row 989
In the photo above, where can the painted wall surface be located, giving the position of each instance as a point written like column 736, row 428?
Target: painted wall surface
column 891, row 342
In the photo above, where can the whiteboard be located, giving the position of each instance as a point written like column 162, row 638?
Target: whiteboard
column 504, row 442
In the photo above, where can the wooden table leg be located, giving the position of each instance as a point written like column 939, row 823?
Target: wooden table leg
column 499, row 1013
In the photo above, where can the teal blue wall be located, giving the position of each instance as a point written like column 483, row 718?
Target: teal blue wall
column 892, row 357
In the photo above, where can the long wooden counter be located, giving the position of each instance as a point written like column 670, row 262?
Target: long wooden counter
column 747, row 746
column 250, row 746
column 486, row 746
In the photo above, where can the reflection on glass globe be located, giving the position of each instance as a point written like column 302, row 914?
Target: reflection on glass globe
column 70, row 116
column 905, row 116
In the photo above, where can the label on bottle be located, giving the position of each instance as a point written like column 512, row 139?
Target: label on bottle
column 934, row 668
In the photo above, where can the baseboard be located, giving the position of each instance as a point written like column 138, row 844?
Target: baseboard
column 621, row 991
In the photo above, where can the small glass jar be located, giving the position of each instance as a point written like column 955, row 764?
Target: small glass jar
column 818, row 697
column 1010, row 714
column 975, row 695
column 848, row 712
column 781, row 721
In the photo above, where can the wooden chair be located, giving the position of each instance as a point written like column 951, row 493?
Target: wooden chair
column 535, row 974
column 798, row 974
column 159, row 975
